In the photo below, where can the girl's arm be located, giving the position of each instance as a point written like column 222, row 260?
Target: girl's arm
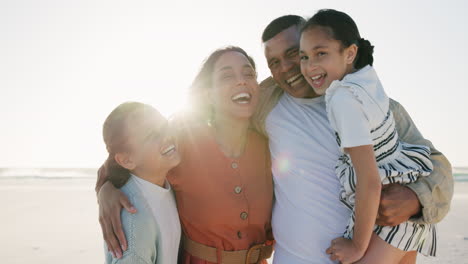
column 367, row 198
column 348, row 117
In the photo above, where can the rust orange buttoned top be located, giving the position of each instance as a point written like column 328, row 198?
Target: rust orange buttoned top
column 222, row 202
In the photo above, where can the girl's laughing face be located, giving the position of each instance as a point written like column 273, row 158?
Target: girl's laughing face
column 324, row 59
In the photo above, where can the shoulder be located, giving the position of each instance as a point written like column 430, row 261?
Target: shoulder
column 142, row 224
column 184, row 124
column 339, row 93
column 268, row 83
column 401, row 116
column 191, row 135
column 358, row 85
column 257, row 138
column 258, row 148
column 395, row 105
column 269, row 95
column 141, row 230
column 133, row 192
column 341, row 98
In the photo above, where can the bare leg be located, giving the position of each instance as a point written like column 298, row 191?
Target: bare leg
column 409, row 258
column 381, row 252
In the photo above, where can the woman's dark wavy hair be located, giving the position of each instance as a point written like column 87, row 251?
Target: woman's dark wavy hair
column 201, row 107
column 342, row 27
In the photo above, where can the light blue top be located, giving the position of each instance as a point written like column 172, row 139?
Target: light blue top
column 141, row 230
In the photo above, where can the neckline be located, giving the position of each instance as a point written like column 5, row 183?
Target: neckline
column 306, row 101
column 163, row 189
column 216, row 146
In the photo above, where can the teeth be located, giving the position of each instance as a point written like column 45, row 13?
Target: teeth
column 294, row 78
column 244, row 96
column 168, row 149
column 317, row 77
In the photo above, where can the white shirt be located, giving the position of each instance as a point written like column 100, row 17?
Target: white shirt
column 307, row 213
column 164, row 209
column 356, row 105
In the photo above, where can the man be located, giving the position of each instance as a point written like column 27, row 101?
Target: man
column 307, row 213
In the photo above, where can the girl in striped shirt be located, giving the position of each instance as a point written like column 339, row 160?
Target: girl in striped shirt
column 337, row 63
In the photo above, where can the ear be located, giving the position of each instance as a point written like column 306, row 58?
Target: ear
column 351, row 53
column 125, row 160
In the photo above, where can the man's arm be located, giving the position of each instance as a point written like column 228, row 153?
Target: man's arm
column 436, row 190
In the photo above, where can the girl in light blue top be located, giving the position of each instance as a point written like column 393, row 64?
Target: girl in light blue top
column 140, row 155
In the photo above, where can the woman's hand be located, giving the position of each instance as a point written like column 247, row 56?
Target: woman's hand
column 111, row 201
column 345, row 251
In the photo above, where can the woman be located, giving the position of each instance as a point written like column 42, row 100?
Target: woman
column 223, row 185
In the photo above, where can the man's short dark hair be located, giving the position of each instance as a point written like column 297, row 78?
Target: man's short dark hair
column 280, row 24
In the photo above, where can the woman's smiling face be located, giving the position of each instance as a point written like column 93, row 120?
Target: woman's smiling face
column 234, row 90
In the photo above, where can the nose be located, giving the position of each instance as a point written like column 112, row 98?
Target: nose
column 308, row 66
column 241, row 80
column 286, row 65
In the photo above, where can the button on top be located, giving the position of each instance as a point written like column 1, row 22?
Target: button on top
column 234, row 165
column 244, row 215
column 239, row 234
column 238, row 189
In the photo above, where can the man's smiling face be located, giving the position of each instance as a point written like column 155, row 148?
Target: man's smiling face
column 282, row 54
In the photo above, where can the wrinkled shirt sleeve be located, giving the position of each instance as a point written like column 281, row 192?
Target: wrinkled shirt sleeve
column 436, row 190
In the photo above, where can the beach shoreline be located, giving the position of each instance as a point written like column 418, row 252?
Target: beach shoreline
column 56, row 220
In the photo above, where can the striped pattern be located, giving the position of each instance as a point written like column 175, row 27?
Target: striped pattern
column 398, row 162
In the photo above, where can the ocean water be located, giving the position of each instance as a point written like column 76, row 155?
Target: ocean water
column 460, row 173
column 48, row 173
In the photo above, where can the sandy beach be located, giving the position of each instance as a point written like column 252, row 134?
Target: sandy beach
column 48, row 221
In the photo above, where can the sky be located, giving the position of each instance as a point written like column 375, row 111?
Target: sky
column 64, row 65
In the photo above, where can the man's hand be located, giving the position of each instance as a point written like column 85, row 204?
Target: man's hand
column 111, row 201
column 397, row 204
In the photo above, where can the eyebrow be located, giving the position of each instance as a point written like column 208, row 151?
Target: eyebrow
column 291, row 49
column 319, row 47
column 315, row 48
column 286, row 52
column 226, row 68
